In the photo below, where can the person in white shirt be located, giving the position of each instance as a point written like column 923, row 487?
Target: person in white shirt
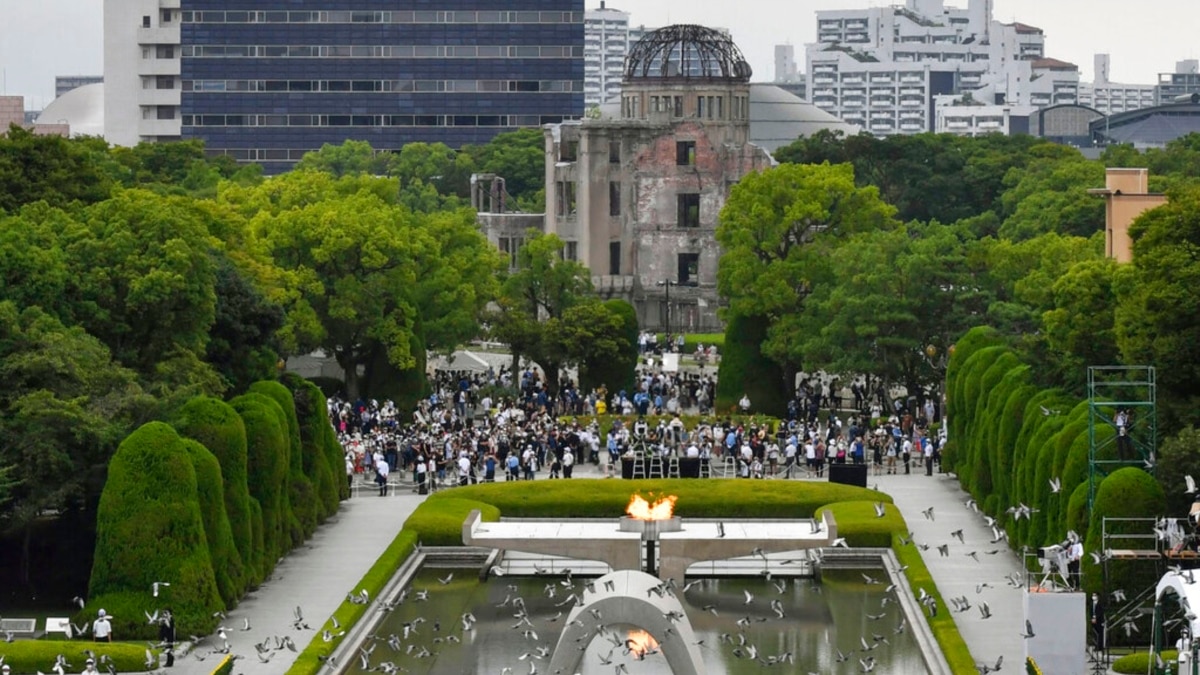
column 464, row 469
column 744, row 403
column 789, row 454
column 568, row 462
column 102, row 628
column 381, row 476
column 693, row 452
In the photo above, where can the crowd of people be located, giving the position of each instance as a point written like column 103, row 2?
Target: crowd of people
column 460, row 434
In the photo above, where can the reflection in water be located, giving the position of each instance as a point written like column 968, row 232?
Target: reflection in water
column 744, row 626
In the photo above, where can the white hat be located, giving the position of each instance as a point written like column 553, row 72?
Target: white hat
column 101, row 612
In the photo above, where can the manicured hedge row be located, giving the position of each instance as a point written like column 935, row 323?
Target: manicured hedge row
column 218, row 427
column 211, row 508
column 149, row 527
column 1009, row 439
column 1139, row 663
column 26, row 657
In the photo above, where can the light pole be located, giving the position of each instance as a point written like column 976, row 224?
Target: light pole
column 667, row 284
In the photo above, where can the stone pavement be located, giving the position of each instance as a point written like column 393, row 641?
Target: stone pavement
column 958, row 574
column 316, row 576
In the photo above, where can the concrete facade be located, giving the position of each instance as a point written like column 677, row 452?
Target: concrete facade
column 700, row 542
column 881, row 68
column 142, row 67
column 580, row 539
column 12, row 111
column 1059, row 643
column 1127, row 195
column 628, row 597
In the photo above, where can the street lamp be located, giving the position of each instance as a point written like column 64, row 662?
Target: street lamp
column 667, row 284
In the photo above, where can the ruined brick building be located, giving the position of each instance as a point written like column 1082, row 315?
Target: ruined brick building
column 636, row 188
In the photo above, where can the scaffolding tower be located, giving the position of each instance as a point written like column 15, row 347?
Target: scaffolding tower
column 1123, row 399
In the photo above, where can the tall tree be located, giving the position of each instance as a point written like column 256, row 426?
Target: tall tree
column 777, row 231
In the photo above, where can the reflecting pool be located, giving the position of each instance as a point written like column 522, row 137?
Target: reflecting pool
column 514, row 623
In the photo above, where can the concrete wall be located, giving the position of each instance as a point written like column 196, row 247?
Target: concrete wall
column 1060, row 625
column 1126, row 193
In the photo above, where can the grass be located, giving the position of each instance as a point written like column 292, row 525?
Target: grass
column 225, row 667
column 438, row 521
column 34, row 656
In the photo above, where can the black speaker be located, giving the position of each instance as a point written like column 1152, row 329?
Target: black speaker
column 848, row 474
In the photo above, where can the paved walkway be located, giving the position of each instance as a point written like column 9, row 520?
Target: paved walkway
column 317, row 576
column 958, row 574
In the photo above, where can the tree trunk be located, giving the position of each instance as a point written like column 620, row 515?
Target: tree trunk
column 24, row 568
column 350, row 367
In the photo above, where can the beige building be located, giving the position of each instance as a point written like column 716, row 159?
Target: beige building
column 12, row 111
column 636, row 196
column 1127, row 195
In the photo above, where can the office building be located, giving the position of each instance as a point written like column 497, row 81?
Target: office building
column 141, row 71
column 786, row 69
column 1184, row 81
column 883, row 68
column 607, row 38
column 271, row 83
column 65, row 83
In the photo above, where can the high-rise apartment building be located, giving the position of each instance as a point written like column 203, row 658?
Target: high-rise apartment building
column 1185, row 80
column 65, row 83
column 607, row 39
column 883, row 67
column 141, row 71
column 1110, row 97
column 269, row 80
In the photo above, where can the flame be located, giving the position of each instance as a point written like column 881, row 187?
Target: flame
column 661, row 509
column 640, row 643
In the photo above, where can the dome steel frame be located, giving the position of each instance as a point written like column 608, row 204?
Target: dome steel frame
column 687, row 52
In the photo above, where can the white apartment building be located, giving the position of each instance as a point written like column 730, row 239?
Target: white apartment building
column 141, row 71
column 1110, row 97
column 883, row 67
column 979, row 120
column 607, row 38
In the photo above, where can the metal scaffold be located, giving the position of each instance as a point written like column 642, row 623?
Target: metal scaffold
column 1122, row 421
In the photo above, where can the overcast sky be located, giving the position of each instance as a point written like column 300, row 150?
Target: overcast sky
column 43, row 38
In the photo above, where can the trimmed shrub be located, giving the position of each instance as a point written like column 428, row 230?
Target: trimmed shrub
column 267, row 471
column 598, row 498
column 302, row 505
column 1139, row 663
column 218, row 427
column 987, row 409
column 944, row 630
column 1045, row 522
column 1038, row 463
column 744, row 369
column 969, row 382
column 1077, row 510
column 1031, row 420
column 32, row 656
column 313, row 417
column 210, row 488
column 439, row 522
column 957, row 407
column 149, row 527
column 259, row 565
column 1126, row 493
column 1008, row 427
column 859, row 526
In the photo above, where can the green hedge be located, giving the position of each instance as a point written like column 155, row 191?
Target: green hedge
column 744, row 369
column 302, row 504
column 1138, row 663
column 598, row 498
column 267, row 471
column 34, row 656
column 219, row 428
column 149, row 527
column 439, row 522
column 858, row 524
column 226, row 562
column 1126, row 493
column 313, row 417
column 225, row 667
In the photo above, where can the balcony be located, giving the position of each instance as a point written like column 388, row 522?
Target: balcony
column 912, row 102
column 169, row 4
column 158, row 67
column 159, row 127
column 158, row 36
column 158, row 97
